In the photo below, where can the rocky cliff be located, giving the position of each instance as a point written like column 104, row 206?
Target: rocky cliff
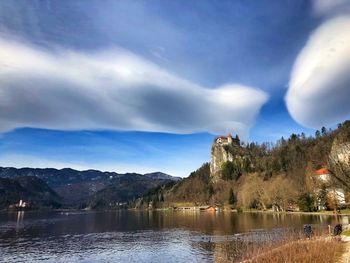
column 219, row 155
column 224, row 149
column 340, row 155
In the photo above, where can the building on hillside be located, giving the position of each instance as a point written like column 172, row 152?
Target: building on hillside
column 323, row 175
column 227, row 140
column 324, row 179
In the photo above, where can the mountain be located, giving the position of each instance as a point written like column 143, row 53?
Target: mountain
column 79, row 187
column 162, row 176
column 28, row 188
column 128, row 189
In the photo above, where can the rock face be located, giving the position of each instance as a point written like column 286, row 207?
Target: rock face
column 340, row 152
column 219, row 155
column 222, row 151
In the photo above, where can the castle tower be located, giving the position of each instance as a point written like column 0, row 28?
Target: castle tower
column 229, row 138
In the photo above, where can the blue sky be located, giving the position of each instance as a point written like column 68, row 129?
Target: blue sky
column 145, row 85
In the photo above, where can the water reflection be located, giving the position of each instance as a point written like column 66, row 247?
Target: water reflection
column 146, row 236
column 20, row 216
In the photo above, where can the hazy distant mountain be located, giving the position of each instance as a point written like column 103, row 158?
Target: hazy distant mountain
column 162, row 176
column 78, row 187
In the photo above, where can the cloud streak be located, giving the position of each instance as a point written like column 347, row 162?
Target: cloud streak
column 319, row 88
column 113, row 89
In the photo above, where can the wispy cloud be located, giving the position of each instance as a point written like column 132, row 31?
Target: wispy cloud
column 319, row 86
column 113, row 89
column 330, row 7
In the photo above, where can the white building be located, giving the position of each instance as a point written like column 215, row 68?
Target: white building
column 324, row 177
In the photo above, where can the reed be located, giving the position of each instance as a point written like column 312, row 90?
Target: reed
column 287, row 248
column 321, row 250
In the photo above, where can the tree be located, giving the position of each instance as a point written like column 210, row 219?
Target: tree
column 232, row 198
column 238, row 140
column 254, row 192
column 230, row 170
column 306, row 202
column 322, row 196
column 339, row 158
column 340, row 172
column 210, row 189
column 323, row 131
column 154, row 201
column 281, row 192
column 332, row 201
column 318, row 134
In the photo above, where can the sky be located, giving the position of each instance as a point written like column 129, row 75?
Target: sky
column 142, row 86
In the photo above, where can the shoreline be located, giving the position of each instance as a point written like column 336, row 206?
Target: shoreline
column 167, row 209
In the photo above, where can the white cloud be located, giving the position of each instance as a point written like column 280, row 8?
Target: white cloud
column 319, row 88
column 114, row 89
column 330, row 7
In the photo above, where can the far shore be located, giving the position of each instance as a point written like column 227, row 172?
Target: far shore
column 323, row 213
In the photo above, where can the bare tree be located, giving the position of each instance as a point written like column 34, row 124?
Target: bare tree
column 339, row 164
column 281, row 192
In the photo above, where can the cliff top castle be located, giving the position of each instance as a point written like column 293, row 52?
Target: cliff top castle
column 226, row 140
column 220, row 153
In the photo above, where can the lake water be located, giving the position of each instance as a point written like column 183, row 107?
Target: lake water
column 134, row 236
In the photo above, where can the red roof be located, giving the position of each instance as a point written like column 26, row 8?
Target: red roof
column 322, row 171
column 224, row 137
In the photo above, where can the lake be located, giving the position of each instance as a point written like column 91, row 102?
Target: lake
column 136, row 236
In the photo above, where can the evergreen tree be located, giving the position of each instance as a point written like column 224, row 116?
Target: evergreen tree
column 317, row 134
column 232, row 198
column 322, row 196
column 306, row 202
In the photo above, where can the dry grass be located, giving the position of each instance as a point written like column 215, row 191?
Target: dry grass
column 320, row 250
column 291, row 247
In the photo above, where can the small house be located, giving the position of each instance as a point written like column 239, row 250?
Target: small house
column 323, row 176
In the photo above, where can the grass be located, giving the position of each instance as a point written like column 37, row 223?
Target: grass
column 346, row 232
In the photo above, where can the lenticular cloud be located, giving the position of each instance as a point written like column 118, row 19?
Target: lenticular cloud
column 319, row 88
column 113, row 89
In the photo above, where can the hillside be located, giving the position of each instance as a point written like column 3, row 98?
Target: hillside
column 77, row 188
column 127, row 189
column 28, row 188
column 262, row 175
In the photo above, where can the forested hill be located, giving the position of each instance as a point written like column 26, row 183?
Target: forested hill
column 261, row 174
column 81, row 188
column 30, row 189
